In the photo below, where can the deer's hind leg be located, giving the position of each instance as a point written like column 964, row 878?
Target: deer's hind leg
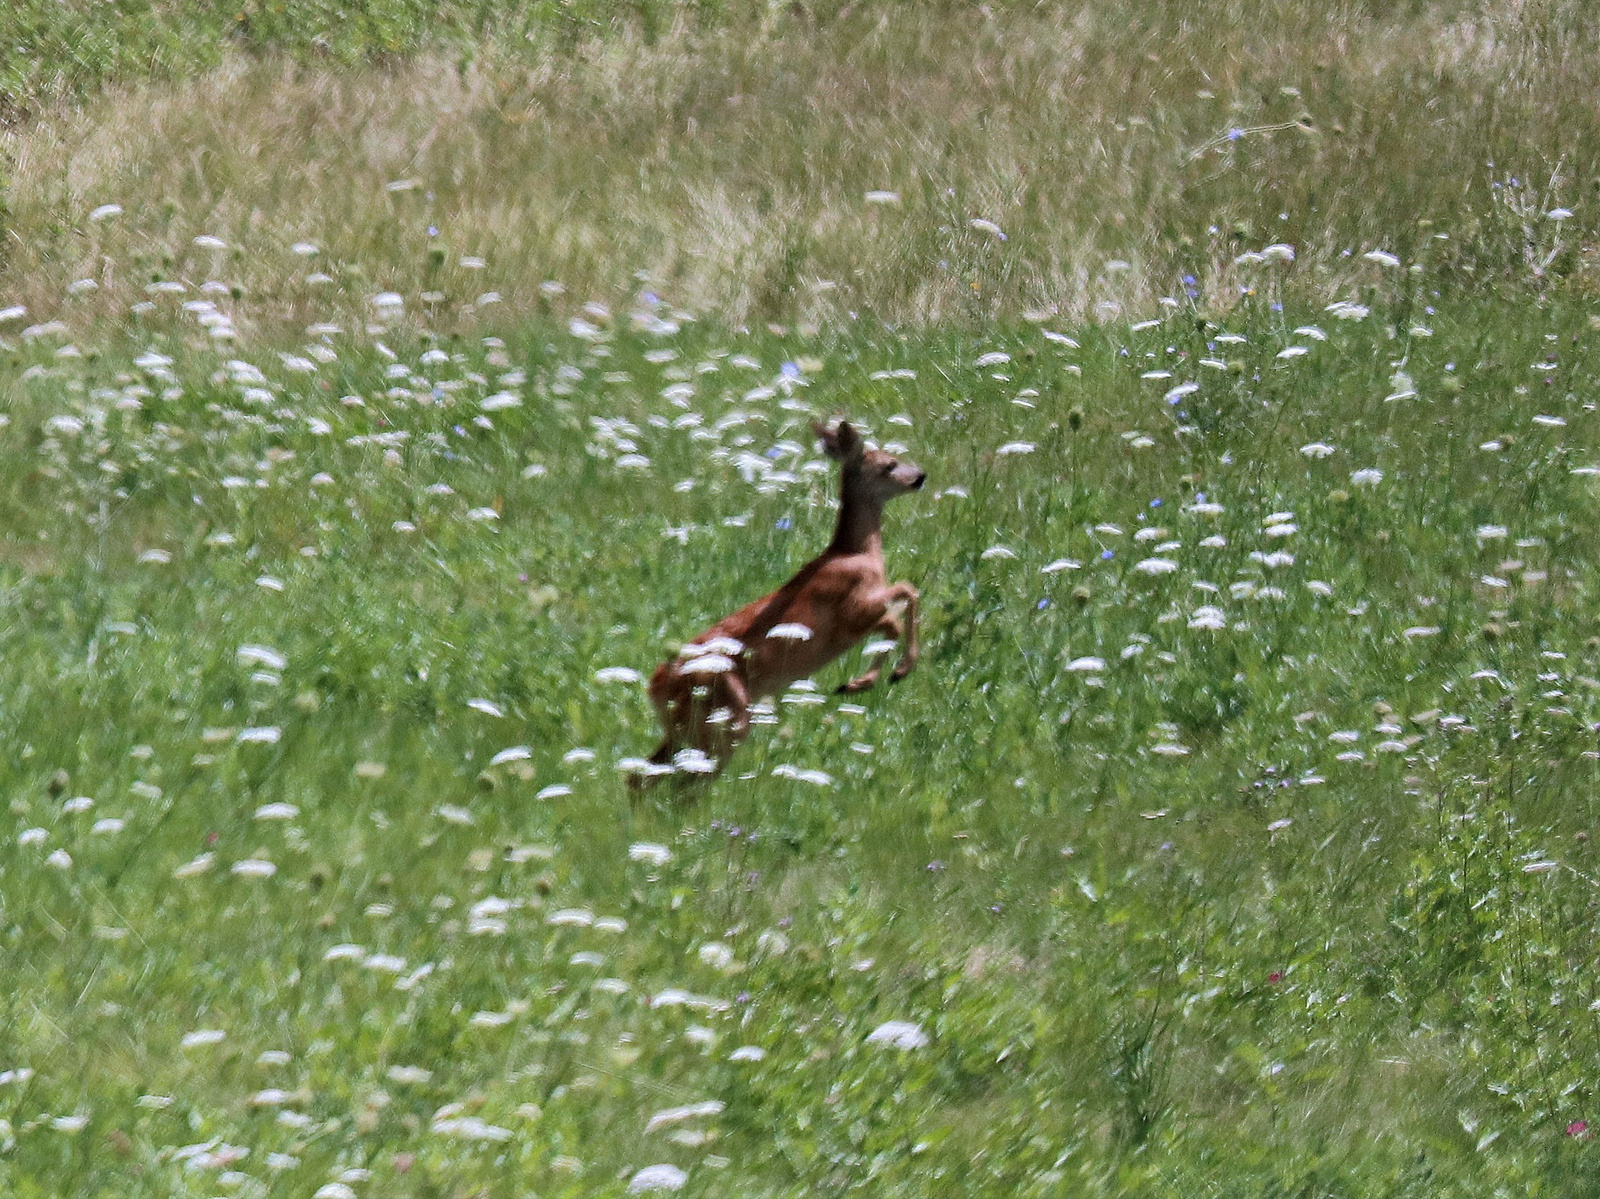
column 672, row 700
column 726, row 719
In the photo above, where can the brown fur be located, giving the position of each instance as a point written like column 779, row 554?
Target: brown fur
column 840, row 596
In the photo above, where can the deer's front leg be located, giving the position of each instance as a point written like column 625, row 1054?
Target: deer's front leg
column 887, row 601
column 908, row 655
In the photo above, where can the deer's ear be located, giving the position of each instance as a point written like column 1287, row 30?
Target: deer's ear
column 841, row 442
column 849, row 441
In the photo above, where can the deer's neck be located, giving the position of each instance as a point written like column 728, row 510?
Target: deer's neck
column 860, row 528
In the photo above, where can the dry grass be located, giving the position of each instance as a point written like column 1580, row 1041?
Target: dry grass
column 729, row 168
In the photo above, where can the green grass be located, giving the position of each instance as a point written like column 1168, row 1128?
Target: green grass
column 50, row 49
column 1235, row 835
column 1133, row 977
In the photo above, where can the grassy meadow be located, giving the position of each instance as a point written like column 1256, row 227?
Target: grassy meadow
column 375, row 411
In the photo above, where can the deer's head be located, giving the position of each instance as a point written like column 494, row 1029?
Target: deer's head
column 875, row 475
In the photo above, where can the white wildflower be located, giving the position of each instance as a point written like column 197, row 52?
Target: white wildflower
column 901, row 1034
column 1347, row 310
column 582, row 917
column 261, row 655
column 470, row 1128
column 677, row 1115
column 716, row 955
column 195, row 866
column 1273, row 560
column 663, row 1177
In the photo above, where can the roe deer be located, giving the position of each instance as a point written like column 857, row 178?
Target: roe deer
column 703, row 695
